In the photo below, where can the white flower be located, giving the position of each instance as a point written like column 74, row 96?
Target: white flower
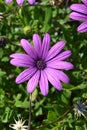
column 19, row 125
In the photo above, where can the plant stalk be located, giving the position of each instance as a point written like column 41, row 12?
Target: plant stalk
column 30, row 108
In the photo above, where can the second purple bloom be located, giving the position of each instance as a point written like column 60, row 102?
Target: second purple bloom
column 80, row 14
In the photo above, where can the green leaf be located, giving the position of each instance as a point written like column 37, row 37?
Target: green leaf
column 51, row 116
column 7, row 114
column 65, row 96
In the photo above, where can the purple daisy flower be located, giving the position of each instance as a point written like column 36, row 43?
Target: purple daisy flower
column 42, row 64
column 80, row 14
column 20, row 2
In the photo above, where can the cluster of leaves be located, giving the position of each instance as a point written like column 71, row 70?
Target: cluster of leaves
column 54, row 112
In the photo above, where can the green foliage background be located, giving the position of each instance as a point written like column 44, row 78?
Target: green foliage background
column 55, row 111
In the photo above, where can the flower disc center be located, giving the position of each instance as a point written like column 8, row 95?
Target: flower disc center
column 40, row 64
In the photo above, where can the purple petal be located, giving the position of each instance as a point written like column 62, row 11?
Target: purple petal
column 21, row 56
column 78, row 16
column 44, row 87
column 55, row 50
column 19, row 63
column 31, row 1
column 21, row 60
column 20, row 2
column 83, row 27
column 37, row 44
column 45, row 45
column 28, row 48
column 60, row 65
column 62, row 76
column 53, row 79
column 80, row 8
column 59, row 75
column 32, row 83
column 85, row 2
column 8, row 1
column 62, row 55
column 25, row 75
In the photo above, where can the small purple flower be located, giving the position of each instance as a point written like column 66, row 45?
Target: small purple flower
column 42, row 64
column 20, row 2
column 80, row 14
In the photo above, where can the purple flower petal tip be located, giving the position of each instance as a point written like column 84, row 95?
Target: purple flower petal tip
column 20, row 2
column 31, row 2
column 11, row 62
column 23, row 41
column 60, row 89
column 74, row 6
column 71, row 6
column 71, row 15
column 17, row 81
column 11, row 56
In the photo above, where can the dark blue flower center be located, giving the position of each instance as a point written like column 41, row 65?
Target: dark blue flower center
column 40, row 64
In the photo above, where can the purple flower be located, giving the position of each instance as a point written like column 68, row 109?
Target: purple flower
column 80, row 14
column 42, row 64
column 20, row 2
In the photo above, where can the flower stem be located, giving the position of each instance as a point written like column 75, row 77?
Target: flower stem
column 30, row 107
column 45, row 125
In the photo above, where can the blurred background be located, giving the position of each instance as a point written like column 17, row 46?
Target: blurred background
column 65, row 110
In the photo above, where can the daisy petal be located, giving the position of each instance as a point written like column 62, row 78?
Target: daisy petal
column 32, row 83
column 83, row 27
column 80, row 8
column 20, row 2
column 85, row 2
column 78, row 16
column 37, row 44
column 53, row 79
column 55, row 50
column 45, row 45
column 28, row 48
column 62, row 55
column 19, row 63
column 44, row 83
column 21, row 60
column 21, row 56
column 25, row 75
column 62, row 76
column 31, row 1
column 60, row 65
